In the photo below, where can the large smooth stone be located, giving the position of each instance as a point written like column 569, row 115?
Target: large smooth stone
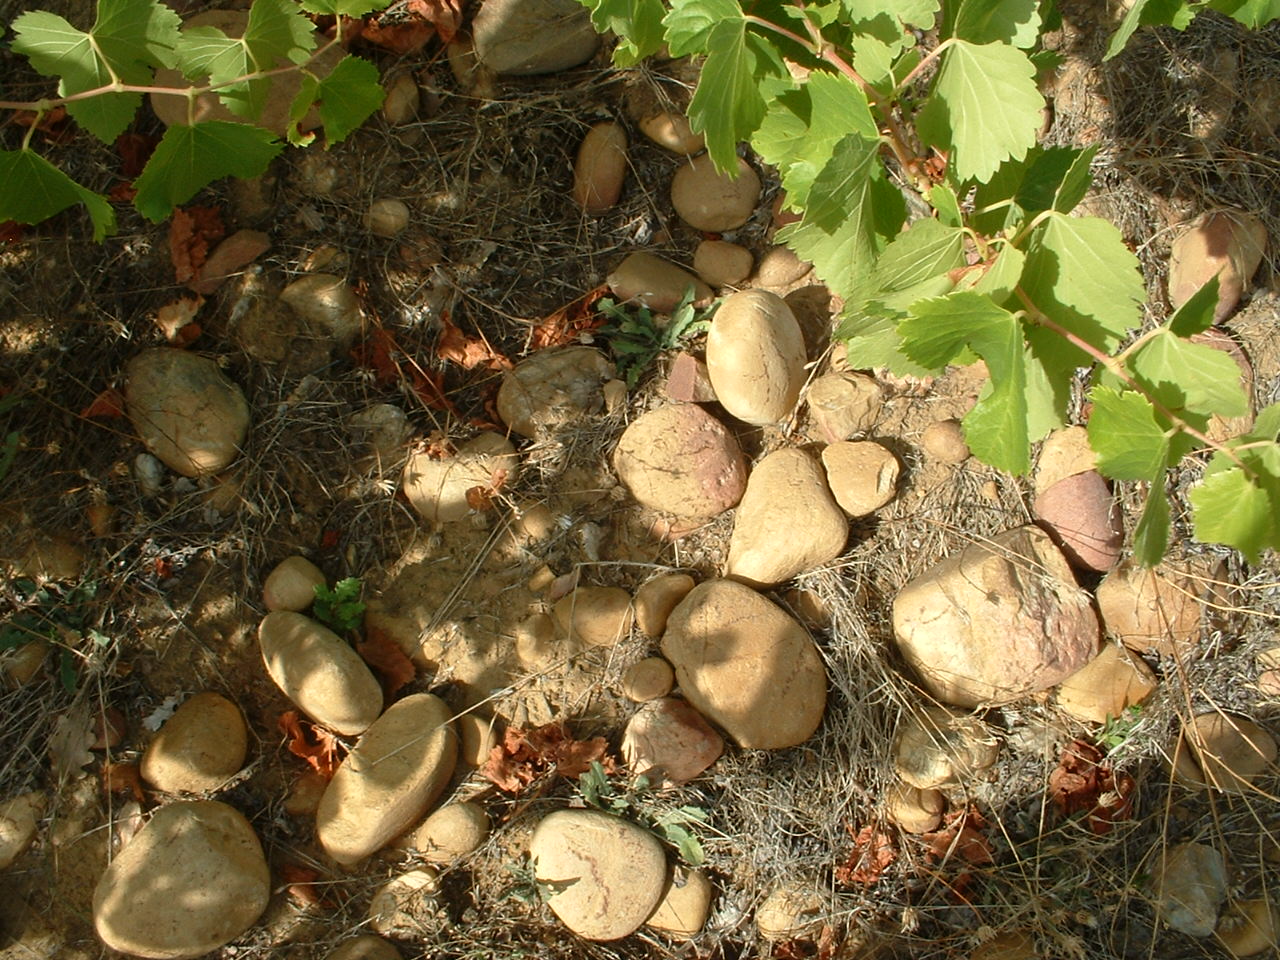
column 787, row 523
column 1084, row 519
column 684, row 907
column 329, row 305
column 679, row 459
column 1190, row 883
column 1229, row 245
column 746, row 665
column 710, row 201
column 756, row 356
column 186, row 412
column 552, row 388
column 319, row 671
column 199, row 748
column 1226, row 752
column 607, row 873
column 655, row 283
column 669, row 742
column 996, row 621
column 1150, row 610
column 437, row 489
column 19, row 821
column 594, row 616
column 1106, row 686
column 526, row 37
column 396, row 771
column 192, row 879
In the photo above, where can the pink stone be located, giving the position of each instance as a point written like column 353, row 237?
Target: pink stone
column 669, row 741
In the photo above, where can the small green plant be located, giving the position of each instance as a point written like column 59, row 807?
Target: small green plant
column 340, row 608
column 1118, row 731
column 636, row 339
column 527, row 888
column 56, row 615
column 637, row 803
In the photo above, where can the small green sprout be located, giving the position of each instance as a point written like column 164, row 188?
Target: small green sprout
column 341, row 607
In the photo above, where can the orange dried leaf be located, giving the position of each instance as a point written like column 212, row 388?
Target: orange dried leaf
column 191, row 232
column 382, row 653
column 123, row 778
column 300, row 882
column 525, row 755
column 467, row 352
column 1083, row 782
column 444, row 15
column 872, row 853
column 409, row 36
column 961, row 836
column 313, row 744
column 175, row 318
column 479, row 498
column 109, row 403
column 565, row 325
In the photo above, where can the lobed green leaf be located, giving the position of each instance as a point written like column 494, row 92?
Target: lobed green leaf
column 1016, row 22
column 1252, row 13
column 924, row 250
column 32, row 190
column 690, row 22
column 637, row 24
column 915, row 13
column 348, row 96
column 1186, row 376
column 1233, row 508
column 1196, row 315
column 1174, row 13
column 1151, row 536
column 343, row 8
column 1126, row 434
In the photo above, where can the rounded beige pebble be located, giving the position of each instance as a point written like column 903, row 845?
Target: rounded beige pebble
column 686, row 902
column 400, row 105
column 1084, row 518
column 1106, row 686
column 708, row 200
column 936, row 747
column 1249, row 927
column 595, row 616
column 452, row 832
column 291, row 585
column 863, row 476
column 607, row 874
column 915, row 810
column 330, row 304
column 365, row 947
column 319, row 672
column 656, row 283
column 406, row 906
column 1231, row 751
column 656, row 598
column 536, row 642
column 199, row 748
column 780, row 267
column 1064, row 453
column 387, row 217
column 553, row 387
column 1149, row 610
column 19, row 819
column 756, row 357
column 600, row 168
column 844, row 404
column 648, row 679
column 671, row 130
column 389, row 780
column 438, row 489
column 722, row 263
column 477, row 736
column 944, row 441
column 215, row 883
column 793, row 910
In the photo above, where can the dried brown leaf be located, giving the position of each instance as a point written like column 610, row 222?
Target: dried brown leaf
column 382, row 653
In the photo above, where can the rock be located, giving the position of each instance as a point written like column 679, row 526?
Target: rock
column 1010, row 945
column 526, row 37
column 291, row 584
column 537, row 645
column 172, row 109
column 215, row 883
column 679, row 459
column 1149, row 610
column 671, row 130
column 655, row 283
column 400, row 106
column 387, row 217
column 1084, row 520
column 1227, row 244
column 656, row 598
column 844, row 405
column 437, row 489
column 405, row 906
column 452, row 832
column 23, row 663
column 319, row 672
column 756, row 357
column 996, row 621
column 552, row 388
column 595, row 616
column 780, row 267
column 710, row 201
column 364, row 947
column 607, row 873
column 1249, row 927
column 1064, row 453
column 793, row 910
column 937, row 747
column 669, row 742
column 389, row 780
column 304, row 796
column 648, row 679
column 688, row 380
column 228, row 258
column 614, row 393
column 199, row 748
column 944, row 441
column 686, row 902
column 788, row 522
column 329, row 305
column 50, row 557
column 19, row 819
column 722, row 263
column 915, row 810
column 600, row 168
column 1106, row 686
column 809, row 607
column 863, row 476
column 1190, row 883
column 477, row 736
column 186, row 412
column 746, row 665
column 1227, row 752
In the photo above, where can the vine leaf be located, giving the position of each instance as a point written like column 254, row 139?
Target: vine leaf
column 32, row 189
column 343, row 8
column 1171, row 13
column 925, row 249
column 1182, row 375
column 984, row 107
column 914, row 13
column 637, row 23
column 348, row 96
column 1238, row 502
column 1151, row 536
column 190, row 158
column 1125, row 433
column 1252, row 13
column 690, row 22
column 1196, row 315
column 1010, row 21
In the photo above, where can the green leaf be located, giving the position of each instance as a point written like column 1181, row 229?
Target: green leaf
column 1011, row 21
column 1081, row 275
column 67, row 670
column 1151, row 536
column 1174, row 13
column 637, row 23
column 1182, row 375
column 1124, row 432
column 131, row 33
column 915, row 13
column 188, row 159
column 1001, row 276
column 690, row 23
column 348, row 96
column 943, row 199
column 728, row 104
column 984, row 107
column 1196, row 315
column 1049, row 178
column 1230, row 507
column 344, row 8
column 277, row 30
column 925, row 249
column 1252, row 13
column 935, row 333
column 32, row 189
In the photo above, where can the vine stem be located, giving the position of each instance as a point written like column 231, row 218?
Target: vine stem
column 1116, row 368
column 924, row 62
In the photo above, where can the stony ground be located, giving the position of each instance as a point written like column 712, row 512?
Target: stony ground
column 508, row 545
